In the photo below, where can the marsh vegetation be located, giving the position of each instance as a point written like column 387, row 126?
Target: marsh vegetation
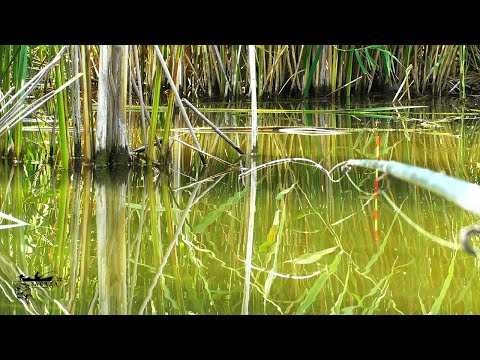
column 103, row 180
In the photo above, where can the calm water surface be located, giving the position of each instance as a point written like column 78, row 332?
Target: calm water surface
column 109, row 240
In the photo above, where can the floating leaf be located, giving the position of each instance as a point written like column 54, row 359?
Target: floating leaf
column 309, row 258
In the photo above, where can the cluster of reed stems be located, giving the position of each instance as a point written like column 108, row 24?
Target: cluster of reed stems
column 201, row 72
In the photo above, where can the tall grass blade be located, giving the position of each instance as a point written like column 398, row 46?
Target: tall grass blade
column 381, row 250
column 213, row 215
column 438, row 302
column 153, row 124
column 311, row 71
column 62, row 120
column 318, row 285
column 336, row 308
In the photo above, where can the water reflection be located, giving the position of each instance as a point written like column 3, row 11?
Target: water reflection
column 110, row 199
column 161, row 242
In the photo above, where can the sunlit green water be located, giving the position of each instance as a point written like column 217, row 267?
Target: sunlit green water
column 107, row 237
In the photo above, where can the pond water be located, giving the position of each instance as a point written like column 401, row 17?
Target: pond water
column 109, row 240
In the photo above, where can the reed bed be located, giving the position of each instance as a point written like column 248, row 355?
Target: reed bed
column 218, row 72
column 164, row 243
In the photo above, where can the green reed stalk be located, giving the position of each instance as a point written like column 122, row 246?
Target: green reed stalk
column 62, row 121
column 236, row 70
column 140, row 94
column 19, row 233
column 311, row 70
column 223, row 75
column 153, row 124
column 4, row 86
column 85, row 239
column 450, row 66
column 21, row 75
column 75, row 239
column 334, row 69
column 207, row 71
column 215, row 74
column 65, row 72
column 77, row 107
column 169, row 230
column 61, row 223
column 4, row 65
column 308, row 54
column 169, row 114
column 261, row 62
column 463, row 65
column 406, row 64
column 156, row 238
column 434, row 65
column 438, row 301
column 166, row 129
column 349, row 72
column 87, row 135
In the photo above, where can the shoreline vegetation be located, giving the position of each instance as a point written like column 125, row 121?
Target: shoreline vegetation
column 96, row 87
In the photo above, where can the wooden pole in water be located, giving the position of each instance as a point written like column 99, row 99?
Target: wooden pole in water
column 112, row 144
